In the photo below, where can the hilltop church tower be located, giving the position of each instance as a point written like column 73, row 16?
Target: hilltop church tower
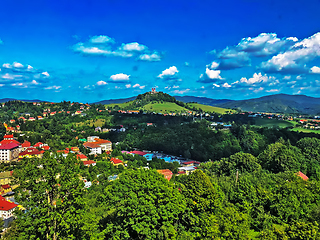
column 153, row 90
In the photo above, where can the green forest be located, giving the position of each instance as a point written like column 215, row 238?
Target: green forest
column 247, row 185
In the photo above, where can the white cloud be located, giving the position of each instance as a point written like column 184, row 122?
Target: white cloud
column 101, row 39
column 138, row 86
column 17, row 65
column 258, row 89
column 257, row 78
column 175, row 86
column 295, row 58
column 226, row 85
column 315, row 69
column 299, row 77
column 101, row 83
column 169, row 72
column 213, row 74
column 273, row 90
column 53, row 87
column 154, row 57
column 287, row 77
column 215, row 85
column 17, row 84
column 34, row 82
column 128, row 85
column 6, row 65
column 181, row 91
column 45, row 74
column 133, row 47
column 213, row 65
column 120, row 77
column 30, row 67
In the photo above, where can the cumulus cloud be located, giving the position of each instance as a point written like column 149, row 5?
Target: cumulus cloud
column 137, row 85
column 120, row 77
column 226, row 85
column 210, row 76
column 105, row 46
column 101, row 83
column 46, row 74
column 154, row 57
column 169, row 73
column 273, row 90
column 128, row 85
column 133, row 47
column 257, row 78
column 315, row 70
column 294, row 59
column 101, row 39
column 238, row 56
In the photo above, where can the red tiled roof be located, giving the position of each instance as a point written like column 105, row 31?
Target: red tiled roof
column 4, row 142
column 8, row 146
column 8, row 136
column 139, row 153
column 38, row 144
column 26, row 144
column 30, row 151
column 116, row 160
column 303, row 176
column 88, row 162
column 5, row 205
column 45, row 147
column 5, row 186
column 192, row 162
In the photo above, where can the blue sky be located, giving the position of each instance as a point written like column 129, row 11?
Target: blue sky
column 94, row 50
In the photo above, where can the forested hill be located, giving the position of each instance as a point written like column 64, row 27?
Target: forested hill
column 278, row 103
column 119, row 100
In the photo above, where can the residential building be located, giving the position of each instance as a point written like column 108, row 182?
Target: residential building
column 116, row 161
column 92, row 138
column 5, row 177
column 6, row 208
column 5, row 189
column 105, row 145
column 82, row 157
column 31, row 152
column 93, row 147
column 9, row 152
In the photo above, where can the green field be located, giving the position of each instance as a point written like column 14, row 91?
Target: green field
column 263, row 122
column 164, row 107
column 208, row 108
column 297, row 129
column 121, row 105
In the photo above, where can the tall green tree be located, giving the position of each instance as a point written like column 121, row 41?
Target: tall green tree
column 142, row 204
column 52, row 194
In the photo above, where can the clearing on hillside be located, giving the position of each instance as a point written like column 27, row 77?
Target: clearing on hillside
column 164, row 107
column 207, row 108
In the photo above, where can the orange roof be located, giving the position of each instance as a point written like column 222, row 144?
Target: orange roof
column 303, row 176
column 45, row 147
column 81, row 156
column 8, row 136
column 88, row 162
column 166, row 172
column 100, row 141
column 91, row 145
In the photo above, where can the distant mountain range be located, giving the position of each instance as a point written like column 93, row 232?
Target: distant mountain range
column 13, row 99
column 278, row 103
column 202, row 100
column 120, row 100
